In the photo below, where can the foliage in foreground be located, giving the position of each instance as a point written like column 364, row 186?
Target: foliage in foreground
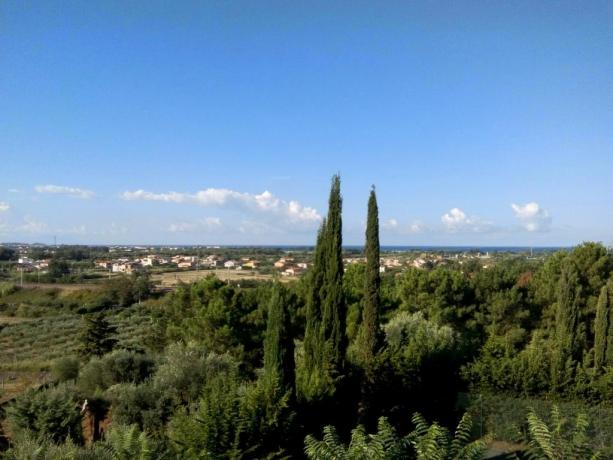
column 50, row 414
column 121, row 443
column 425, row 442
column 558, row 441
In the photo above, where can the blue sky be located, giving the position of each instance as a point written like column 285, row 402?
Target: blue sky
column 222, row 122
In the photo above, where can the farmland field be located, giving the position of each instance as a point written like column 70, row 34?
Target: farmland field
column 171, row 279
column 33, row 344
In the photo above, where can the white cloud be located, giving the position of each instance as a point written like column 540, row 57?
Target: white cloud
column 207, row 224
column 4, row 206
column 532, row 217
column 456, row 220
column 14, row 190
column 417, row 227
column 390, row 224
column 266, row 202
column 62, row 190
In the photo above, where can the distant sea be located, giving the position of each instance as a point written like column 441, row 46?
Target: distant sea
column 394, row 248
column 384, row 248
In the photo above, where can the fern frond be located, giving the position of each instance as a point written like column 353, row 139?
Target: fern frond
column 462, row 434
column 540, row 436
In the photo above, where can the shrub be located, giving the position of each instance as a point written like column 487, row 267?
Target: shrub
column 185, row 370
column 143, row 405
column 52, row 413
column 210, row 430
column 66, row 368
column 118, row 367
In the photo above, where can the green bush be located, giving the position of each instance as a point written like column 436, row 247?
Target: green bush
column 143, row 405
column 53, row 413
column 121, row 366
column 66, row 368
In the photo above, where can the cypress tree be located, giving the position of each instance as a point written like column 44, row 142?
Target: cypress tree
column 279, row 366
column 603, row 329
column 370, row 332
column 324, row 339
column 334, row 313
column 313, row 345
column 567, row 349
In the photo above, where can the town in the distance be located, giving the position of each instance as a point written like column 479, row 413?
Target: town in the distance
column 169, row 265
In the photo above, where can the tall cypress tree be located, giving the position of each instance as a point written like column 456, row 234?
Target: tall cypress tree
column 567, row 349
column 324, row 339
column 370, row 332
column 334, row 313
column 279, row 366
column 603, row 329
column 313, row 345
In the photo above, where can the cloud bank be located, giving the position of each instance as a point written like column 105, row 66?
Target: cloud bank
column 267, row 203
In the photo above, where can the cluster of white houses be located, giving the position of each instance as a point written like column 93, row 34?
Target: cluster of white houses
column 126, row 265
column 289, row 267
column 27, row 264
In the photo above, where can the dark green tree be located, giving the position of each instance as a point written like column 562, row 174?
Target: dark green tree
column 279, row 367
column 313, row 377
column 603, row 329
column 97, row 338
column 334, row 313
column 58, row 268
column 266, row 410
column 325, row 339
column 567, row 347
column 370, row 337
column 7, row 253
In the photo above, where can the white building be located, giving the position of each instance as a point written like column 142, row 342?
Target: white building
column 124, row 267
column 149, row 261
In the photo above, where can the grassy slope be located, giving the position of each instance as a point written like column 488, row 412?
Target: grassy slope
column 33, row 344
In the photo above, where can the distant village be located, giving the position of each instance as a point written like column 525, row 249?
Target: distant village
column 286, row 265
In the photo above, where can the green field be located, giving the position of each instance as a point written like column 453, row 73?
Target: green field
column 33, row 344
